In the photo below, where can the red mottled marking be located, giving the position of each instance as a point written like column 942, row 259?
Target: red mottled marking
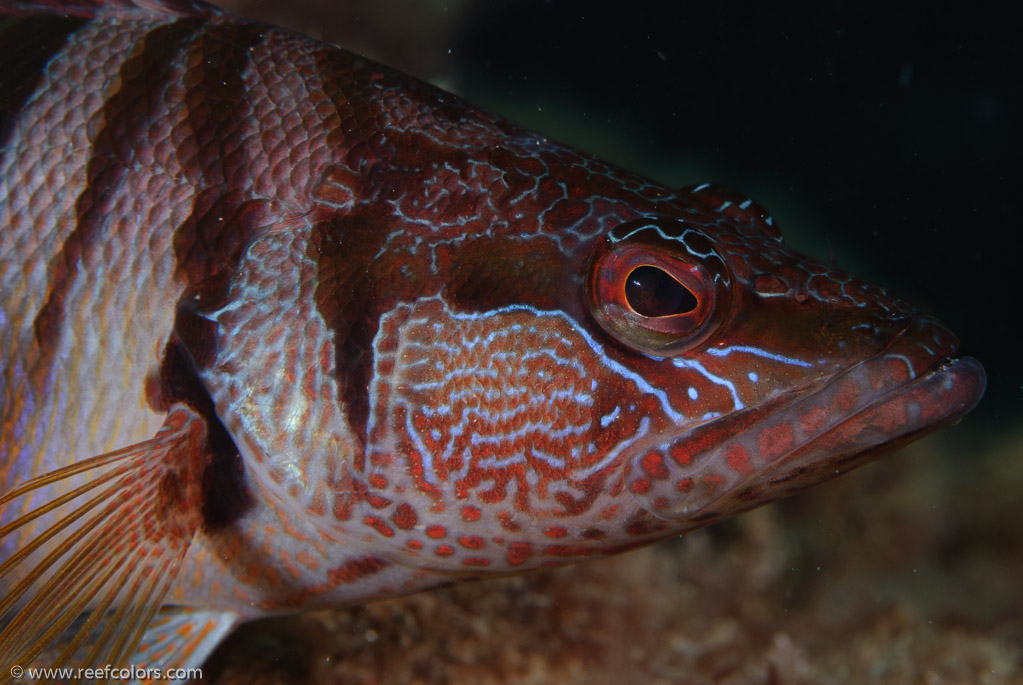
column 470, row 513
column 594, row 534
column 653, row 463
column 405, row 516
column 507, row 522
column 444, row 550
column 319, row 503
column 307, row 560
column 685, row 485
column 519, row 553
column 738, row 459
column 435, row 531
column 471, row 541
column 845, row 399
column 813, row 420
column 679, row 454
column 356, row 569
column 414, row 544
column 352, row 571
column 477, row 562
column 379, row 525
column 641, row 485
column 642, row 523
column 555, row 531
column 377, row 481
column 608, row 512
column 776, row 441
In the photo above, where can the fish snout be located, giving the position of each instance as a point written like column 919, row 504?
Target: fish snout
column 765, row 452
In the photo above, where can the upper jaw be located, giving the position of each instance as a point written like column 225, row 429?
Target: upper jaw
column 911, row 387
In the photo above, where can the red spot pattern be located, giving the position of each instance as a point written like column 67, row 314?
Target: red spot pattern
column 471, row 541
column 379, row 525
column 653, row 463
column 813, row 420
column 776, row 441
column 640, row 486
column 405, row 516
column 436, row 531
column 470, row 513
column 738, row 459
column 679, row 454
column 356, row 569
column 519, row 553
column 507, row 522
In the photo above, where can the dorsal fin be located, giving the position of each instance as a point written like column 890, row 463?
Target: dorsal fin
column 736, row 206
column 111, row 8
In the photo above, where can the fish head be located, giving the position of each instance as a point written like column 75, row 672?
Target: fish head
column 562, row 397
column 501, row 353
column 775, row 371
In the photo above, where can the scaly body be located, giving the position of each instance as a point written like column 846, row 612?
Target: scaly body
column 338, row 336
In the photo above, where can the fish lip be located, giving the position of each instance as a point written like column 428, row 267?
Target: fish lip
column 857, row 438
column 914, row 385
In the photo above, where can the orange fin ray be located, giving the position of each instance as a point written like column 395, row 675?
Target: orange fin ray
column 97, row 570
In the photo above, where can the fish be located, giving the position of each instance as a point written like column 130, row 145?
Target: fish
column 284, row 329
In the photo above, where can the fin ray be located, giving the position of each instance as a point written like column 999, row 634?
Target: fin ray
column 114, row 553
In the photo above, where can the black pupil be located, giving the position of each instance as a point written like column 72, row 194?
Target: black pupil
column 653, row 292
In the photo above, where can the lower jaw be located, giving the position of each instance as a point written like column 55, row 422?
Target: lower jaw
column 935, row 399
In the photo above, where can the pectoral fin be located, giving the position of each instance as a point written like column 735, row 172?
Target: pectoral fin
column 88, row 584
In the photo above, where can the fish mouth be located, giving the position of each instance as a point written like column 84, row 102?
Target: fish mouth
column 912, row 387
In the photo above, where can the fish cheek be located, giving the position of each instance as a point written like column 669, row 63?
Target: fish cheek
column 510, row 414
column 491, row 272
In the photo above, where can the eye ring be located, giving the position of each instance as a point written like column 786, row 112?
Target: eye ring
column 654, row 293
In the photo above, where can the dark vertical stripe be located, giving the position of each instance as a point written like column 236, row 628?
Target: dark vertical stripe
column 125, row 115
column 218, row 104
column 216, row 157
column 27, row 44
column 355, row 283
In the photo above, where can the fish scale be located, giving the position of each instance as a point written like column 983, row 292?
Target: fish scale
column 285, row 329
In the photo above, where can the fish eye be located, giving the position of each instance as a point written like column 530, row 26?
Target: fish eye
column 652, row 292
column 656, row 292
